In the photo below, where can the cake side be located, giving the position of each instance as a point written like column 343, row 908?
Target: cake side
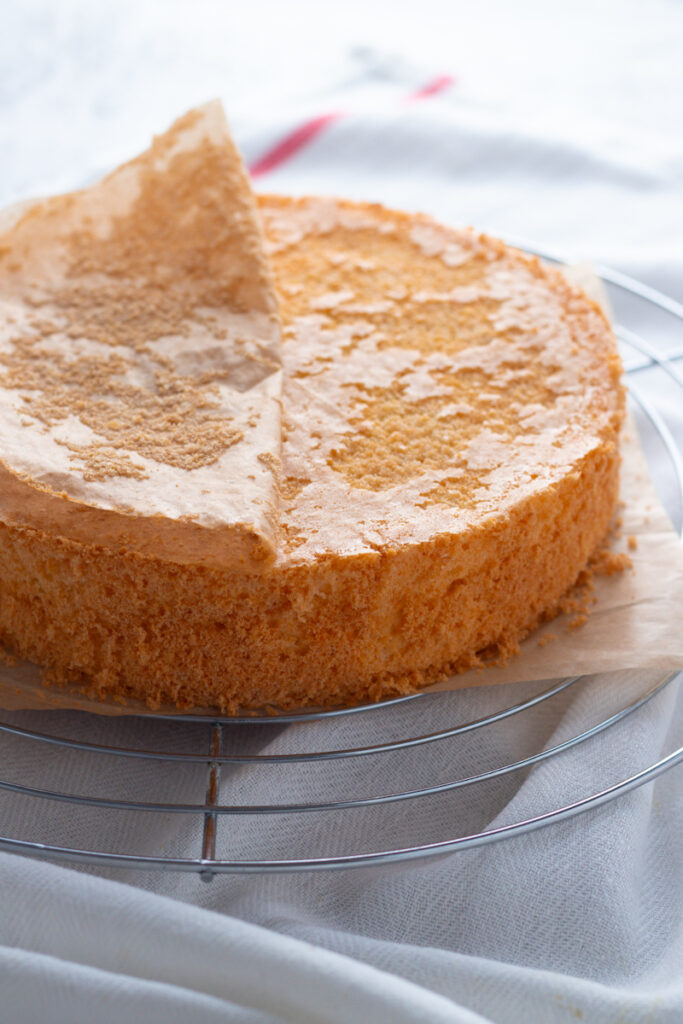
column 337, row 631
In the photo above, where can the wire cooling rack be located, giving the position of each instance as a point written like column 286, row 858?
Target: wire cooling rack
column 370, row 785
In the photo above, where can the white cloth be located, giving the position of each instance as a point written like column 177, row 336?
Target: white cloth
column 564, row 128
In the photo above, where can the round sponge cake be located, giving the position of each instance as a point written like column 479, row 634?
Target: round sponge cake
column 451, row 412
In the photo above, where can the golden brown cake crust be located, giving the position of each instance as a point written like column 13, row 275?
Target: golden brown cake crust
column 450, row 462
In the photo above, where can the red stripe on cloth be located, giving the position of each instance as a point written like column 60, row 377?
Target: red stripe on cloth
column 292, row 143
column 306, row 132
column 433, row 88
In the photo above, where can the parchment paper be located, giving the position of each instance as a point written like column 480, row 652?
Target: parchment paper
column 148, row 304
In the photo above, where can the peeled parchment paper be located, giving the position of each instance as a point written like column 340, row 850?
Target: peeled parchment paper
column 140, row 344
column 634, row 622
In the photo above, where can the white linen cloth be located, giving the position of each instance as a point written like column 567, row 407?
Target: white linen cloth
column 564, row 127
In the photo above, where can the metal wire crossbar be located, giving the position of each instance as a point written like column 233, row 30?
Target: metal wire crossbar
column 236, row 744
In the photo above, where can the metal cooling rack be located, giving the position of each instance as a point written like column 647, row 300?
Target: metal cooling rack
column 342, row 788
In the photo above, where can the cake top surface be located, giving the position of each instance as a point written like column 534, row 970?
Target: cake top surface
column 433, row 377
column 140, row 356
